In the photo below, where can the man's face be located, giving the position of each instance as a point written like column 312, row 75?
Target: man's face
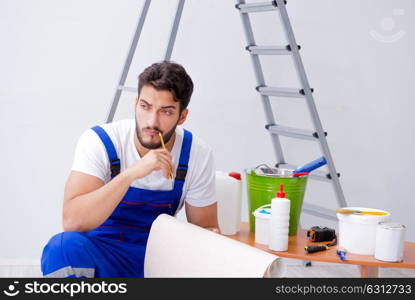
column 156, row 111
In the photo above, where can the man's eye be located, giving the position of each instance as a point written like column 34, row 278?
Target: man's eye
column 167, row 112
column 143, row 106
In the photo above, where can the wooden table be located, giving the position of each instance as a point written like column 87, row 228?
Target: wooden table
column 369, row 266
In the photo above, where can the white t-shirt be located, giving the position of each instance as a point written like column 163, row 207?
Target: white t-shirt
column 91, row 158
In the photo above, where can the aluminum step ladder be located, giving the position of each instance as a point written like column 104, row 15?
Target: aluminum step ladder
column 305, row 92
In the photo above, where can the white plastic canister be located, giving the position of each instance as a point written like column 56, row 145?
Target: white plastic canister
column 262, row 216
column 357, row 232
column 390, row 239
column 229, row 199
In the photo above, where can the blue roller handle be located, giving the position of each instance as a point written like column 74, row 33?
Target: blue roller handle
column 311, row 165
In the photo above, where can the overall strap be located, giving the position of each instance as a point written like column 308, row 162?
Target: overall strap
column 112, row 153
column 184, row 156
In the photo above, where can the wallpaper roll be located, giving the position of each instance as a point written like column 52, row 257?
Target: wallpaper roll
column 179, row 249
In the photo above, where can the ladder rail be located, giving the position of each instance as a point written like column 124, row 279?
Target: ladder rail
column 259, row 75
column 299, row 66
column 127, row 63
column 319, row 211
column 174, row 29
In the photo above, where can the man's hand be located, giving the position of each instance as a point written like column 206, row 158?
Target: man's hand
column 159, row 159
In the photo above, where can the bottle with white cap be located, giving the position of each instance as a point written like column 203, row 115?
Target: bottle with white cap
column 279, row 222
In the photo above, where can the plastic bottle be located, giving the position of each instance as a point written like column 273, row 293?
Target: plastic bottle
column 279, row 222
column 229, row 199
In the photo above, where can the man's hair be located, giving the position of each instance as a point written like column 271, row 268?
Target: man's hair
column 171, row 77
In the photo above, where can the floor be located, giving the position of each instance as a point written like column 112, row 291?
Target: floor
column 328, row 271
column 294, row 269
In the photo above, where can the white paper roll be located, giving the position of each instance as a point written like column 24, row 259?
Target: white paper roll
column 180, row 249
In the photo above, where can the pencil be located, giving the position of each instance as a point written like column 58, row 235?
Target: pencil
column 164, row 147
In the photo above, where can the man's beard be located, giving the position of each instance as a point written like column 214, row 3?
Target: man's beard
column 166, row 137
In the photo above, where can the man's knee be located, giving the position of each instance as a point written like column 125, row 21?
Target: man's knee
column 65, row 255
column 66, row 240
column 62, row 245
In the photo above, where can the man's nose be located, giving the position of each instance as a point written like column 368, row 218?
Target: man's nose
column 153, row 120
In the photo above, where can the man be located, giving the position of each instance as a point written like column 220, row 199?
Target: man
column 121, row 180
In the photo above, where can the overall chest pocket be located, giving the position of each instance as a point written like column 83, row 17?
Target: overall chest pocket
column 141, row 207
column 141, row 213
column 147, row 208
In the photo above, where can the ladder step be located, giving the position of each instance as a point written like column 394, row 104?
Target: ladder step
column 319, row 211
column 281, row 92
column 128, row 89
column 258, row 7
column 293, row 132
column 270, row 50
column 316, row 175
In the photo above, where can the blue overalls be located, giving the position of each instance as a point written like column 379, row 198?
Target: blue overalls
column 117, row 247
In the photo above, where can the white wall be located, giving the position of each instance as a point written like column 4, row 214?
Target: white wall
column 60, row 61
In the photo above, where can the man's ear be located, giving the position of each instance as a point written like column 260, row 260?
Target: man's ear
column 183, row 116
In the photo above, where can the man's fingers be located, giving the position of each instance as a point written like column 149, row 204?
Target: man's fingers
column 163, row 159
column 163, row 167
column 165, row 153
column 166, row 164
column 167, row 157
